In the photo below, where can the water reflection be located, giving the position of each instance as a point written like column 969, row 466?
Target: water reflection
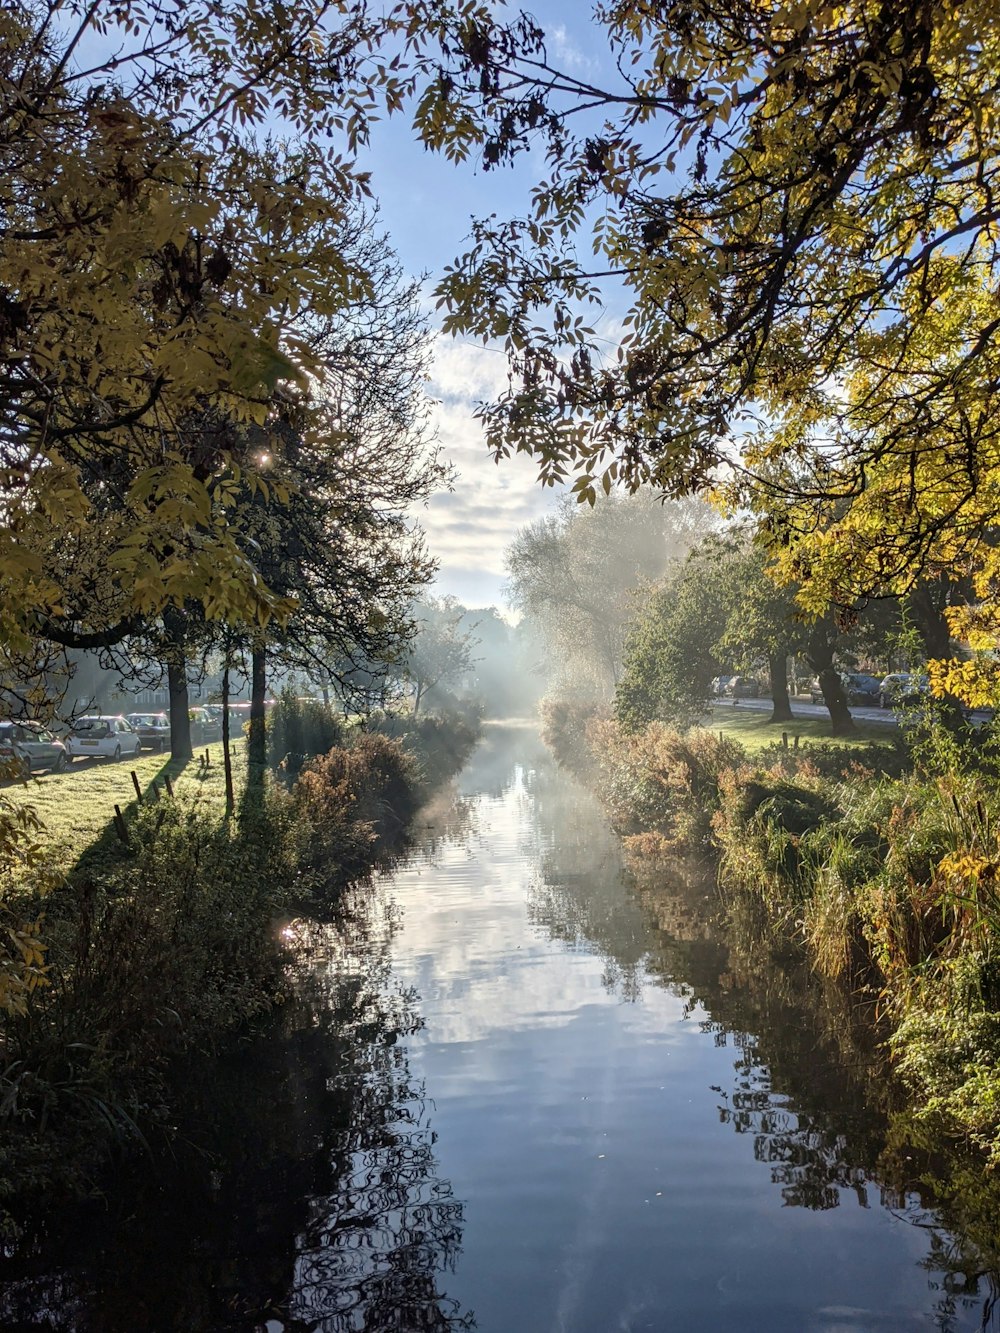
column 521, row 1079
column 810, row 1087
column 302, row 1194
column 370, row 1254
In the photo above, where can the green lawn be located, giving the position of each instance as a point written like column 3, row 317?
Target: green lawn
column 77, row 807
column 753, row 729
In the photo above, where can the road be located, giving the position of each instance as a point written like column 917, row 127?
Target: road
column 802, row 707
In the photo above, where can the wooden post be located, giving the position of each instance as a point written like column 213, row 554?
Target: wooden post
column 227, row 753
column 155, row 790
column 120, row 824
column 167, row 783
column 796, row 744
column 135, row 784
column 784, row 739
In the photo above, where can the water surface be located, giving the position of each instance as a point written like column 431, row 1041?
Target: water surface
column 519, row 1092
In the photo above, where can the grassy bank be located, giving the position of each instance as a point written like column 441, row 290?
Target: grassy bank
column 880, row 862
column 755, row 731
column 124, row 954
column 76, row 807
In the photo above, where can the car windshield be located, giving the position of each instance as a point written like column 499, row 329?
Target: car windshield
column 91, row 726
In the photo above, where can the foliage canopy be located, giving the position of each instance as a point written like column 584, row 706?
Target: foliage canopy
column 798, row 203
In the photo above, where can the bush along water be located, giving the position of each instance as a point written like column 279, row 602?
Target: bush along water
column 882, row 865
column 145, row 952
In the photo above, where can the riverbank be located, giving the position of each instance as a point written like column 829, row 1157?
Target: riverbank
column 880, row 863
column 138, row 945
column 514, row 1088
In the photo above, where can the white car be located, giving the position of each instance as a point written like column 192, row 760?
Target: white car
column 110, row 737
column 32, row 747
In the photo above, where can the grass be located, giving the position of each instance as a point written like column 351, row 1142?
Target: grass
column 754, row 730
column 77, row 807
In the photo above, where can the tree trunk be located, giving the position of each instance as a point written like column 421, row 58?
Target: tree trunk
column 926, row 606
column 781, row 705
column 416, row 698
column 927, row 603
column 227, row 758
column 177, row 685
column 820, row 658
column 257, row 742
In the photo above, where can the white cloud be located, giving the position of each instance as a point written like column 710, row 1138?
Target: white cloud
column 566, row 52
column 469, row 528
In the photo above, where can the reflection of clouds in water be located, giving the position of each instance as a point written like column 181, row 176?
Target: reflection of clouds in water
column 369, row 1255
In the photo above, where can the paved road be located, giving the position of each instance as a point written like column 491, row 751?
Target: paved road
column 802, row 707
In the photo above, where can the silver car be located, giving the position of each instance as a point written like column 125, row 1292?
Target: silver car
column 110, row 737
column 32, row 747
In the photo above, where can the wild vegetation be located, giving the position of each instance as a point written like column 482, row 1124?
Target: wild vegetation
column 146, row 949
column 879, row 861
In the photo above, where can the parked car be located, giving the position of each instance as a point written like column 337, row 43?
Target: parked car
column 205, row 726
column 32, row 747
column 153, row 730
column 859, row 688
column 720, row 685
column 743, row 687
column 104, row 737
column 903, row 687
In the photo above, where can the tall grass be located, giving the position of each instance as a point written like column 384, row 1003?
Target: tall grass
column 177, row 939
column 887, row 876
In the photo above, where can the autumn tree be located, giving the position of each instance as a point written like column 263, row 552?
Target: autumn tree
column 575, row 575
column 798, row 207
column 152, row 257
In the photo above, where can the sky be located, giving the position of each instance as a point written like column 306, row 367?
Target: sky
column 427, row 205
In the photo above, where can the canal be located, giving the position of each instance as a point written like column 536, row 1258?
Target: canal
column 516, row 1088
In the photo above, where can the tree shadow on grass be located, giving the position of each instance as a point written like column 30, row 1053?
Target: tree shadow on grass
column 108, row 849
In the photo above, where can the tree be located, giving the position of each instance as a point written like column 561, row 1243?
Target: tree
column 284, row 445
column 761, row 621
column 671, row 654
column 153, row 261
column 355, row 465
column 575, row 575
column 440, row 651
column 799, row 204
column 721, row 609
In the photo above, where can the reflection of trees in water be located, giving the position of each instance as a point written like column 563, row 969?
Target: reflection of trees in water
column 812, row 1089
column 370, row 1253
column 302, row 1186
column 578, row 897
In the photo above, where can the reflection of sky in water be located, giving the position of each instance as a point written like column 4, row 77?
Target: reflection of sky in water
column 499, row 1089
column 582, row 1123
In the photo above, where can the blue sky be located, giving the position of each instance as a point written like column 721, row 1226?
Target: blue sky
column 427, row 205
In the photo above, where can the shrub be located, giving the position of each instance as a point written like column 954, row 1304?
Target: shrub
column 661, row 780
column 353, row 797
column 166, row 952
column 565, row 726
column 440, row 743
column 297, row 729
